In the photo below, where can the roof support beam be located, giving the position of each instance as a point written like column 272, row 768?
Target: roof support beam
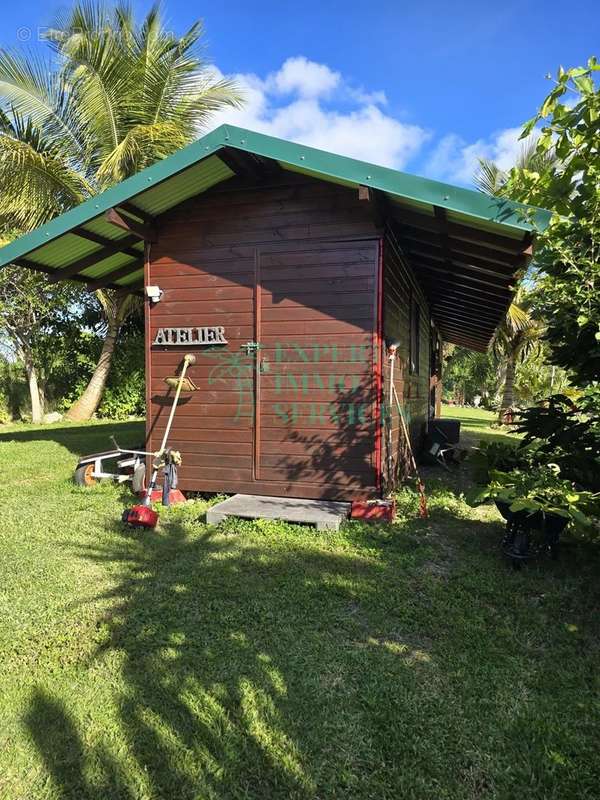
column 493, row 259
column 377, row 204
column 432, row 258
column 475, row 264
column 132, row 210
column 33, row 265
column 470, row 313
column 139, row 229
column 459, row 231
column 246, row 165
column 468, row 325
column 123, row 245
column 479, row 347
column 453, row 301
column 106, row 280
column 439, row 285
column 452, row 272
column 440, row 215
column 468, row 316
column 473, row 336
column 91, row 259
column 431, row 273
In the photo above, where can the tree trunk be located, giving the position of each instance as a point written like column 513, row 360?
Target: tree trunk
column 37, row 405
column 83, row 408
column 508, row 395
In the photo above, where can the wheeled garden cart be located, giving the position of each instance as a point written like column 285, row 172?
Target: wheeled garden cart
column 130, row 465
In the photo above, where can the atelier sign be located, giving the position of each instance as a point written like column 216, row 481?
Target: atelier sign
column 199, row 336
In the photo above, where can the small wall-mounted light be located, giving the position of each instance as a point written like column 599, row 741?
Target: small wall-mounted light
column 154, row 293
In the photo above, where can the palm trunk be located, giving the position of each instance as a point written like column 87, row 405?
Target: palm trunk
column 37, row 404
column 508, row 394
column 87, row 404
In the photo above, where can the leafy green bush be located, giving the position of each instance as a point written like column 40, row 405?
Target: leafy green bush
column 124, row 395
column 541, row 490
column 499, row 456
column 14, row 393
column 568, row 434
column 5, row 415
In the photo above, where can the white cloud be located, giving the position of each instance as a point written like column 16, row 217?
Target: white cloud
column 304, row 77
column 456, row 161
column 310, row 103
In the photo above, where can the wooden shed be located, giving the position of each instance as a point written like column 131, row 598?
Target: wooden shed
column 287, row 271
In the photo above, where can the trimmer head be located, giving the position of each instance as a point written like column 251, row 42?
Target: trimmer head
column 140, row 517
column 187, row 384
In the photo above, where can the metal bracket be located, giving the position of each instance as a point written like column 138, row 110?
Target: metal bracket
column 250, row 348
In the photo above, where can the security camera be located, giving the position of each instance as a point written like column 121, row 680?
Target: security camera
column 154, row 293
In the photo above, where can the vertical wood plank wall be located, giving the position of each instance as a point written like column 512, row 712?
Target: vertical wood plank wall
column 317, row 249
column 399, row 285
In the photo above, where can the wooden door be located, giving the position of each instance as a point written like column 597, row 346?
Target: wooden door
column 317, row 367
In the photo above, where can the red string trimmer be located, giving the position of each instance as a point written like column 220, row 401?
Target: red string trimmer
column 142, row 516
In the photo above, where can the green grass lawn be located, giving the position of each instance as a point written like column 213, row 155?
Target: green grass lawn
column 271, row 661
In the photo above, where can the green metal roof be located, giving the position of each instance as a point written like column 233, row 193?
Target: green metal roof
column 196, row 168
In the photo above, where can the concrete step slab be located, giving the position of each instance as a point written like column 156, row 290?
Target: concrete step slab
column 324, row 514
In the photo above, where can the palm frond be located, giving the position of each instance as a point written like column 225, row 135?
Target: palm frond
column 141, row 146
column 519, row 331
column 37, row 179
column 123, row 96
column 37, row 92
column 489, row 178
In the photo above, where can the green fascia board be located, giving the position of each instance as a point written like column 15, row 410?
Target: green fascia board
column 329, row 165
column 326, row 165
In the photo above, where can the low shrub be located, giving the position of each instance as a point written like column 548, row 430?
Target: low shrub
column 567, row 433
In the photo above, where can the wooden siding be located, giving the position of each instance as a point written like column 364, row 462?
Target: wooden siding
column 294, row 267
column 400, row 288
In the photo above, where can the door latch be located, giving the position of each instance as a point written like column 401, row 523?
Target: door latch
column 250, row 348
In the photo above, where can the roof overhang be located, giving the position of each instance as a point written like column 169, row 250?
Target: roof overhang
column 466, row 247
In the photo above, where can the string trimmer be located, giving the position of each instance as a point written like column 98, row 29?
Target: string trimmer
column 423, row 512
column 142, row 516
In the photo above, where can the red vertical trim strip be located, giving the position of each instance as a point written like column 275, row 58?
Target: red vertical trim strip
column 378, row 370
column 257, row 359
column 147, row 349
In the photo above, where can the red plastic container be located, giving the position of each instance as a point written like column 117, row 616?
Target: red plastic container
column 374, row 510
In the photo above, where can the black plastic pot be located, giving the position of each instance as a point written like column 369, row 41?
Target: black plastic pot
column 524, row 518
column 553, row 526
column 516, row 543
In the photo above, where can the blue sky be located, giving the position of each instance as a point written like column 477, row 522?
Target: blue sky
column 425, row 87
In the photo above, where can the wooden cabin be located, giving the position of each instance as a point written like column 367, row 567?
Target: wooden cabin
column 288, row 272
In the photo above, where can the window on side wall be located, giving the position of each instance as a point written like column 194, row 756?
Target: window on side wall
column 415, row 336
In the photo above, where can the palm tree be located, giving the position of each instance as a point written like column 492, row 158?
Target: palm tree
column 491, row 179
column 514, row 339
column 114, row 97
column 519, row 332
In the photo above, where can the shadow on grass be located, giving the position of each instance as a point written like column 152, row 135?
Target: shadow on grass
column 244, row 668
column 254, row 672
column 79, row 439
column 298, row 669
column 64, row 754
